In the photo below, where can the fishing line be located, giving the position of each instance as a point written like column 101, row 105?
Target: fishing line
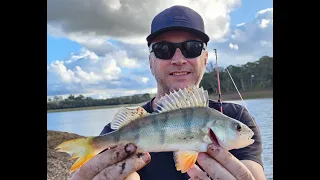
column 241, row 98
column 237, row 89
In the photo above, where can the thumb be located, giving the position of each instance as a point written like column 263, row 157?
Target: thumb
column 133, row 176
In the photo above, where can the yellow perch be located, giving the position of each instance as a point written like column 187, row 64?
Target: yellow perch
column 183, row 123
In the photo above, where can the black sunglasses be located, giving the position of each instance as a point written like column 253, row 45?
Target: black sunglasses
column 166, row 50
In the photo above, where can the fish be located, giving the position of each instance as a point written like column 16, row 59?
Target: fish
column 182, row 123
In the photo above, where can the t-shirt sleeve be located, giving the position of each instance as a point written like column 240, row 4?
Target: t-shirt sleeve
column 106, row 129
column 254, row 151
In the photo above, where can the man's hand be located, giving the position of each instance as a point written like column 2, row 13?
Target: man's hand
column 117, row 163
column 219, row 163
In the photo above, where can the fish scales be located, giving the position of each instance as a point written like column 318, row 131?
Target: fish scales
column 166, row 130
column 182, row 123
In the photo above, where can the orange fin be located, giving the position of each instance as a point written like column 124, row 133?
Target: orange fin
column 78, row 148
column 184, row 160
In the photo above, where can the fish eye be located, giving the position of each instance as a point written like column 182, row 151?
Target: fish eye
column 238, row 126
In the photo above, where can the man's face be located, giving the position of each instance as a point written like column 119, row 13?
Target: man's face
column 177, row 72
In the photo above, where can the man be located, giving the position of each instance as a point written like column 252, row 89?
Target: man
column 175, row 68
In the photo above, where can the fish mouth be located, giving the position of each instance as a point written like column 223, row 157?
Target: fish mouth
column 213, row 137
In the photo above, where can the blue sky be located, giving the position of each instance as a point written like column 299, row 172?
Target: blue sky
column 91, row 53
column 60, row 48
column 248, row 10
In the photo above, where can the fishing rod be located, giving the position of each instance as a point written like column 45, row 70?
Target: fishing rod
column 219, row 91
column 218, row 79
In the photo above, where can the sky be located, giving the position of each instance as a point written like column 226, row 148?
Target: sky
column 98, row 48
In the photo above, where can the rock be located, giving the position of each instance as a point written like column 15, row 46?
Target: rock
column 58, row 163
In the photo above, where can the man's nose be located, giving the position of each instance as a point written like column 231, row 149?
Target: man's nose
column 178, row 58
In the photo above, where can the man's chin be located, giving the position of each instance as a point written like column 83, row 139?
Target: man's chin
column 179, row 85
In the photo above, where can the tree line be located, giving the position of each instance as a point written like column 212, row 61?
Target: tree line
column 81, row 101
column 251, row 76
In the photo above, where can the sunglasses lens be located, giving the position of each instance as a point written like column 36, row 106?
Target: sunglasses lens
column 192, row 49
column 163, row 50
column 166, row 50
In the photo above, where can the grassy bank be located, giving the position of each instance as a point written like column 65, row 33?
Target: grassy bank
column 93, row 107
column 245, row 95
column 225, row 97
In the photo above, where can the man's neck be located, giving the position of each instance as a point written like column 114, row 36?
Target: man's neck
column 160, row 92
column 155, row 100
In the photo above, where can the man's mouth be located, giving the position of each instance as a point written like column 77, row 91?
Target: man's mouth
column 179, row 73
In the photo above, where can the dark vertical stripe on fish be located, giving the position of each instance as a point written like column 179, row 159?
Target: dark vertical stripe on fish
column 137, row 132
column 188, row 117
column 116, row 136
column 206, row 117
column 156, row 123
column 164, row 122
column 160, row 123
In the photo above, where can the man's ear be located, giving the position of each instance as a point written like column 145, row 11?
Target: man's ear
column 150, row 64
column 206, row 58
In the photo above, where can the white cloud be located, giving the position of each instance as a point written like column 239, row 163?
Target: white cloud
column 264, row 23
column 84, row 53
column 247, row 42
column 225, row 58
column 91, row 77
column 263, row 11
column 266, row 43
column 233, row 46
column 87, row 76
column 114, row 5
column 72, row 72
column 91, row 23
column 114, row 58
column 241, row 24
column 142, row 79
column 110, row 70
column 124, row 61
column 66, row 75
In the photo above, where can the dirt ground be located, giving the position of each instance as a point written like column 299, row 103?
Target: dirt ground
column 58, row 163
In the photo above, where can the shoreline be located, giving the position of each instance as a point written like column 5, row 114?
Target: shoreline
column 225, row 97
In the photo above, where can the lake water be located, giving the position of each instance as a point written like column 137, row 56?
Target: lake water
column 91, row 123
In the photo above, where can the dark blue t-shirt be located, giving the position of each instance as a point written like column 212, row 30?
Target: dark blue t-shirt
column 162, row 165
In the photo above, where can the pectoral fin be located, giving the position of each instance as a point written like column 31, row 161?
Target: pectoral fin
column 184, row 160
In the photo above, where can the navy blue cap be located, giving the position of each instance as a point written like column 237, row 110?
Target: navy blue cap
column 178, row 18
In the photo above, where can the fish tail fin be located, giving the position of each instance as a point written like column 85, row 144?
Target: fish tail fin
column 184, row 160
column 81, row 148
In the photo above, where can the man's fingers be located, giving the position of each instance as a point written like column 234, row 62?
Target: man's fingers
column 111, row 156
column 231, row 163
column 124, row 168
column 196, row 173
column 105, row 159
column 213, row 168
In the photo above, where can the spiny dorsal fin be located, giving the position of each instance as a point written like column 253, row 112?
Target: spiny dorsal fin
column 191, row 96
column 126, row 115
